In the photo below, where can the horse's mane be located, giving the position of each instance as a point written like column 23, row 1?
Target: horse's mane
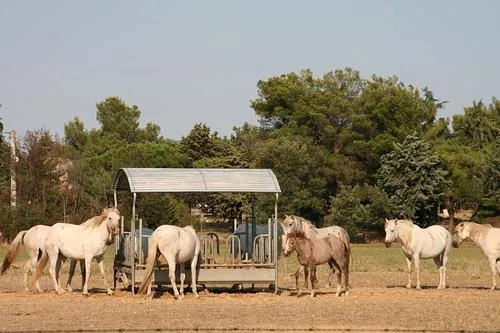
column 97, row 220
column 478, row 231
column 307, row 228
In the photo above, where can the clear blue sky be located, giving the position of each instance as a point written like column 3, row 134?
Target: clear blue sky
column 184, row 62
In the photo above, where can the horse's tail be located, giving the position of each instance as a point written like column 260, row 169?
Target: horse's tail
column 42, row 262
column 14, row 248
column 153, row 255
column 349, row 253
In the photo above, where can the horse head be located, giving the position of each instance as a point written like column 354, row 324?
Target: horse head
column 112, row 217
column 391, row 231
column 460, row 233
column 288, row 243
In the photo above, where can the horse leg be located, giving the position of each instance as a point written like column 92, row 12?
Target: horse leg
column 305, row 269
column 345, row 273
column 85, row 290
column 82, row 271
column 182, row 269
column 312, row 274
column 493, row 272
column 171, row 275
column 337, row 272
column 53, row 254
column 417, row 270
column 440, row 264
column 408, row 265
column 330, row 275
column 194, row 263
column 72, row 266
column 297, row 276
column 28, row 268
column 498, row 266
column 100, row 263
column 31, row 267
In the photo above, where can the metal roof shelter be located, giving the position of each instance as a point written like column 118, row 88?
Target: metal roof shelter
column 138, row 180
column 177, row 180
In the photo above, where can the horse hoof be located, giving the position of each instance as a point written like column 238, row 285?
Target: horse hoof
column 418, row 288
column 60, row 292
column 110, row 293
column 408, row 286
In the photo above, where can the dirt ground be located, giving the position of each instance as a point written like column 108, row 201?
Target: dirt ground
column 377, row 302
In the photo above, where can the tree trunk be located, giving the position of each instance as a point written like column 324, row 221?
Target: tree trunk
column 451, row 217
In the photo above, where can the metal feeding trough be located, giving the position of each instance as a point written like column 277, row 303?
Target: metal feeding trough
column 251, row 254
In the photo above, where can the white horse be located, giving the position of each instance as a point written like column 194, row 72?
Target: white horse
column 296, row 225
column 417, row 243
column 33, row 240
column 488, row 240
column 178, row 246
column 85, row 241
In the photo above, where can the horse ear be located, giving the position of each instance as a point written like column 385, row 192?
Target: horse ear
column 386, row 220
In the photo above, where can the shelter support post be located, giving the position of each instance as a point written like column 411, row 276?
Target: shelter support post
column 254, row 226
column 275, row 252
column 132, row 248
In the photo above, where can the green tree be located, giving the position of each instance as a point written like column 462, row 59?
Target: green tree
column 360, row 208
column 75, row 134
column 344, row 113
column 464, row 165
column 115, row 116
column 491, row 176
column 304, row 172
column 479, row 126
column 201, row 142
column 412, row 177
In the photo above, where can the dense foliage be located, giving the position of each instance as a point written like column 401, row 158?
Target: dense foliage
column 346, row 150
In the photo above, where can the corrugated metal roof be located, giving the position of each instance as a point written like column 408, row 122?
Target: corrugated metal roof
column 138, row 180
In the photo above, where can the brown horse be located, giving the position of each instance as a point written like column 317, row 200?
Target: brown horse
column 313, row 252
column 292, row 224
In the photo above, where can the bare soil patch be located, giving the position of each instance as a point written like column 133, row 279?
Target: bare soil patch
column 378, row 302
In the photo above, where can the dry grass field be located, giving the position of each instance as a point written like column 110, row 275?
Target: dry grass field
column 378, row 302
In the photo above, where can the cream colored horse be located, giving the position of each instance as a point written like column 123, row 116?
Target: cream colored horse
column 86, row 241
column 417, row 243
column 488, row 240
column 178, row 246
column 33, row 241
column 293, row 224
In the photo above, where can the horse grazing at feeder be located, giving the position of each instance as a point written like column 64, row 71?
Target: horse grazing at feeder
column 293, row 224
column 313, row 252
column 33, row 240
column 488, row 240
column 178, row 246
column 417, row 243
column 85, row 241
